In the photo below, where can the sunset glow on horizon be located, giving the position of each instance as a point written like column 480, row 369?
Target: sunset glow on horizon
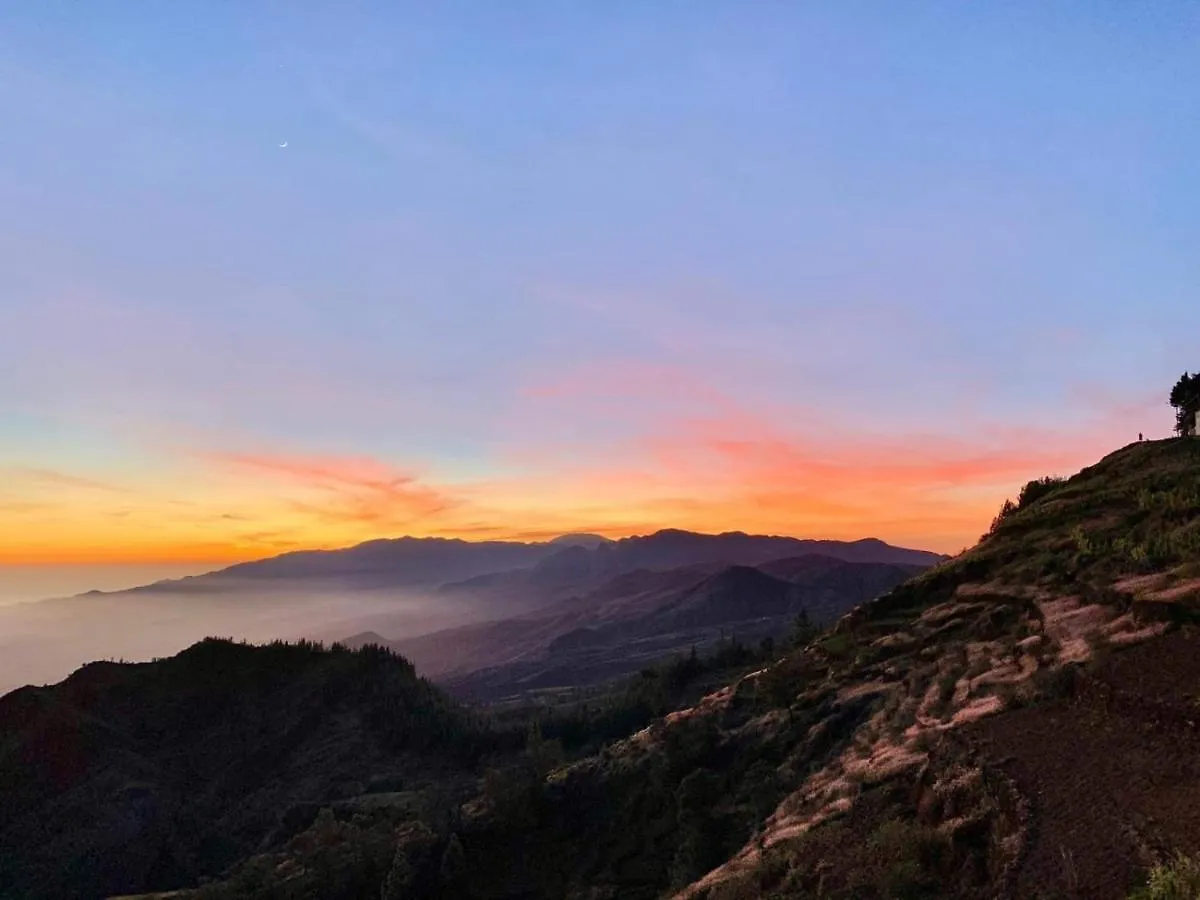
column 737, row 474
column 838, row 272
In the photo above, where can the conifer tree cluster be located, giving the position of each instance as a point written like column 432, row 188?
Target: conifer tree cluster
column 1185, row 397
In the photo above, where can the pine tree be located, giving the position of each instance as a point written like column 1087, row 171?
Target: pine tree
column 699, row 844
column 454, row 869
column 399, row 878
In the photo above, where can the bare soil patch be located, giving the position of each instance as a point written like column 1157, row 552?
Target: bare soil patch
column 1112, row 774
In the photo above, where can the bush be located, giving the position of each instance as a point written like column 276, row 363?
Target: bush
column 1056, row 683
column 909, row 857
column 1031, row 493
column 1177, row 879
column 1035, row 490
column 699, row 848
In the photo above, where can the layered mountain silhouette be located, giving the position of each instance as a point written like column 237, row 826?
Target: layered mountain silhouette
column 573, row 559
column 581, row 568
column 640, row 616
column 396, row 588
column 392, row 562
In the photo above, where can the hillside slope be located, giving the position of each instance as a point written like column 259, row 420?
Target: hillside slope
column 930, row 744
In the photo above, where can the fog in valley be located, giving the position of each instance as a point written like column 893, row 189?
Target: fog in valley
column 43, row 642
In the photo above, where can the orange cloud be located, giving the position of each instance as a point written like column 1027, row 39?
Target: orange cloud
column 806, row 475
column 348, row 489
column 51, row 477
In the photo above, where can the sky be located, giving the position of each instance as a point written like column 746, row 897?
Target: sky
column 287, row 275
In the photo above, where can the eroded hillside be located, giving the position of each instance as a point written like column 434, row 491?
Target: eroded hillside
column 874, row 736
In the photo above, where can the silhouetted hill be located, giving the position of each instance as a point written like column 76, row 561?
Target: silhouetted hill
column 742, row 593
column 671, row 548
column 801, row 567
column 577, row 569
column 135, row 777
column 580, row 540
column 390, row 562
column 733, row 594
column 572, row 560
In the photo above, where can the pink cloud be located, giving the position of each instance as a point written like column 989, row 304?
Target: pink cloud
column 351, row 489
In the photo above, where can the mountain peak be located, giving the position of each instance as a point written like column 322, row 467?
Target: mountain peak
column 580, row 539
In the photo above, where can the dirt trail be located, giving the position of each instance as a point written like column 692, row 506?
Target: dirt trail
column 1112, row 774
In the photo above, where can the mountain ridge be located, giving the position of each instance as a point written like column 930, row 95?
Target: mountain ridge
column 395, row 587
column 389, row 555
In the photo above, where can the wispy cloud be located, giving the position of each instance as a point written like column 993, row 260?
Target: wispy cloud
column 346, row 489
column 54, row 478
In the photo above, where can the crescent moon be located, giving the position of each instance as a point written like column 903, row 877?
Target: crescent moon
column 284, row 144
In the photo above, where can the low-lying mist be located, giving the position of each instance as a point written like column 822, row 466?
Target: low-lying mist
column 44, row 642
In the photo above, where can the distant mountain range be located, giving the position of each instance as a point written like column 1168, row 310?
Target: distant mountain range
column 638, row 617
column 390, row 562
column 469, row 566
column 398, row 588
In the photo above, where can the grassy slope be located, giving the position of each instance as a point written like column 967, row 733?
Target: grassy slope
column 1133, row 512
column 1064, row 579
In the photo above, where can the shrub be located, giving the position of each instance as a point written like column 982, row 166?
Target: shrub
column 909, row 856
column 1031, row 493
column 1007, row 509
column 454, row 868
column 1176, row 879
column 1037, row 489
column 1055, row 682
column 699, row 848
column 399, row 879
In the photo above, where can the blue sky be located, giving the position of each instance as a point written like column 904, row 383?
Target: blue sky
column 508, row 241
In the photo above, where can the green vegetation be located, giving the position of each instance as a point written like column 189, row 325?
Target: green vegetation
column 909, row 855
column 584, row 725
column 1137, row 511
column 399, row 881
column 1032, row 492
column 1176, row 879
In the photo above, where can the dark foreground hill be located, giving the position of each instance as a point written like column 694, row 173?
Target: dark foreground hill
column 129, row 777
